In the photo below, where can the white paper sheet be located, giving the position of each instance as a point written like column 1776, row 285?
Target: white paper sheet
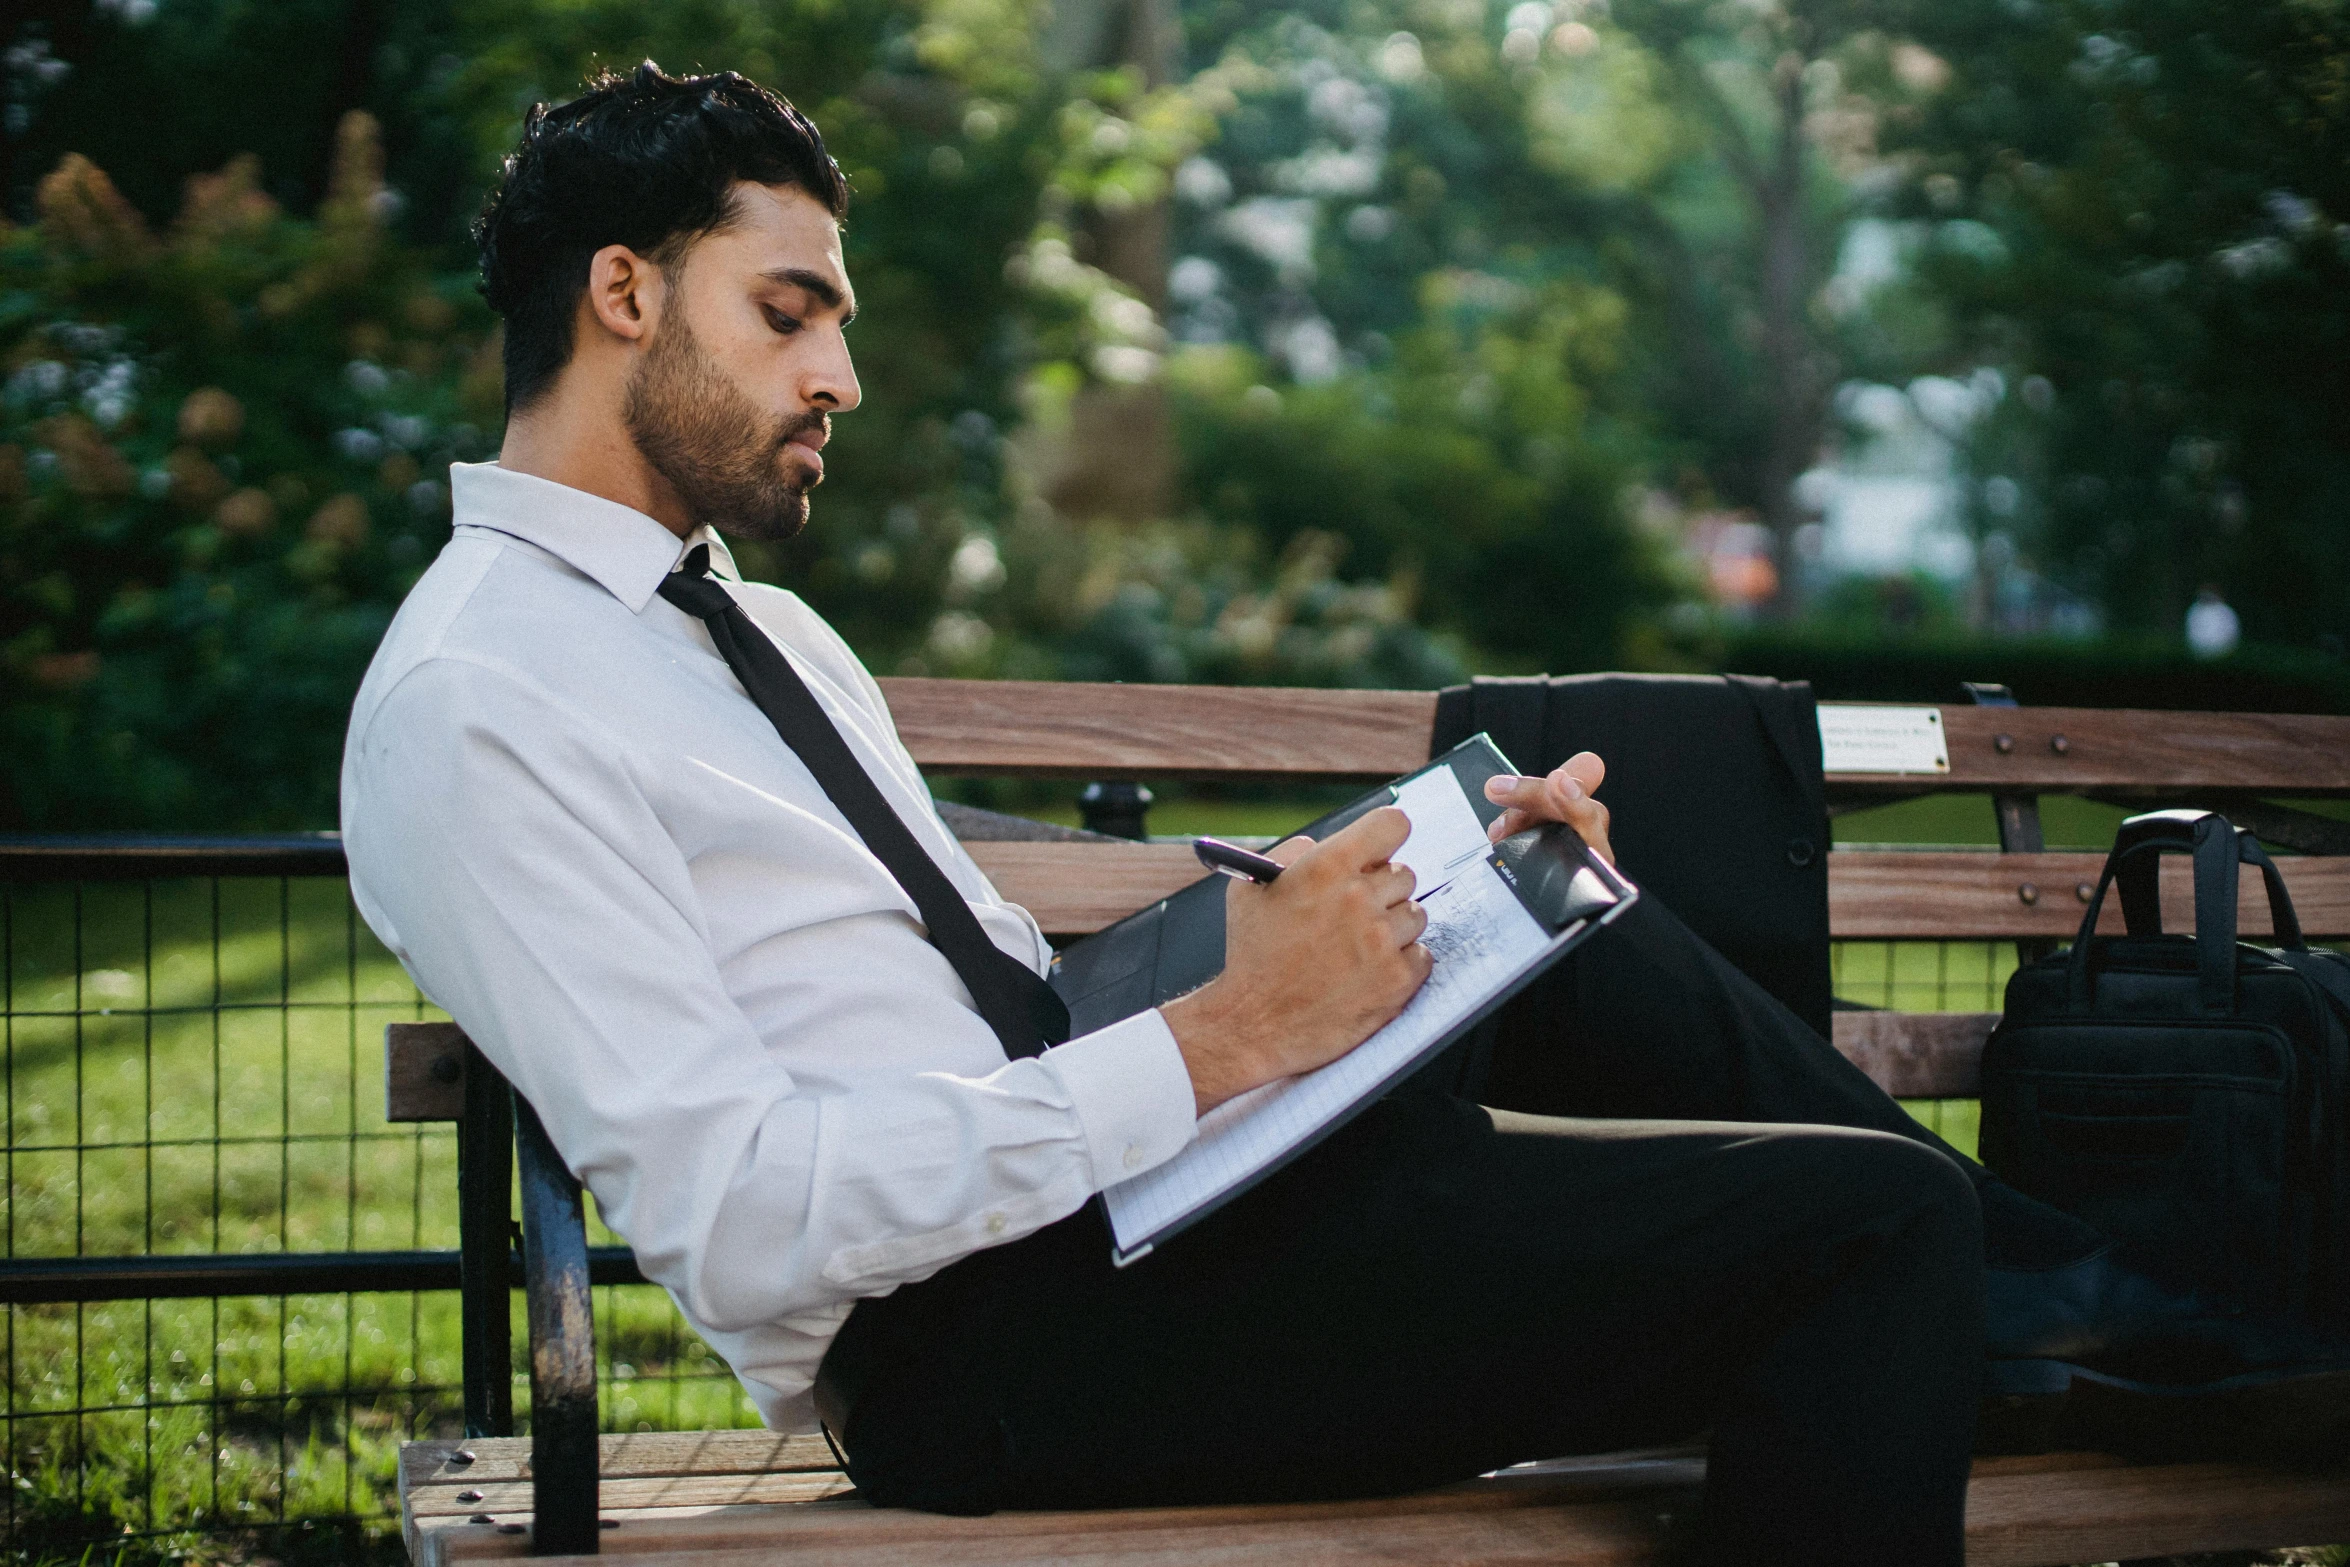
column 1481, row 936
column 1446, row 835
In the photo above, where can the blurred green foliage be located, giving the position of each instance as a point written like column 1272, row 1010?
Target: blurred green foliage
column 222, row 446
column 193, row 578
column 2146, row 205
column 1860, row 664
column 1479, row 423
column 1442, row 306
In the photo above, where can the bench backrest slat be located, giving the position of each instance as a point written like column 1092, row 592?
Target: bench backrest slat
column 1092, row 730
column 1083, row 730
column 2144, row 752
column 1887, row 895
column 1873, row 895
column 1916, row 1055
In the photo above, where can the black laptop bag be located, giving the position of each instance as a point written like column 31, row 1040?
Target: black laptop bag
column 2185, row 1094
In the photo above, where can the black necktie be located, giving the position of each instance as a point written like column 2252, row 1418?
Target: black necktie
column 1022, row 1009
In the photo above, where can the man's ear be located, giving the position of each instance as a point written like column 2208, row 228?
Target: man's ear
column 624, row 292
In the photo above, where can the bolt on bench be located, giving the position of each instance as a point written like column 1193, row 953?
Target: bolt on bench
column 717, row 1498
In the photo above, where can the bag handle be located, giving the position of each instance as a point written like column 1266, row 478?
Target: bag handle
column 2218, row 848
column 2281, row 918
column 2141, row 889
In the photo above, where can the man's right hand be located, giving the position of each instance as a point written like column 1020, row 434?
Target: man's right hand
column 1314, row 964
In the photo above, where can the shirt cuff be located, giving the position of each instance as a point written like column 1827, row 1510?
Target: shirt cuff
column 1132, row 1094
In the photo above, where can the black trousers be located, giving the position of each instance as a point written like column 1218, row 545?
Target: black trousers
column 1678, row 1210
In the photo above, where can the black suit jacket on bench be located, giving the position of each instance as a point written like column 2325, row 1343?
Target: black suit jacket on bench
column 1715, row 795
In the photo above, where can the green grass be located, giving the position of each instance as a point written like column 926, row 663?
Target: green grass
column 2066, row 822
column 162, row 1099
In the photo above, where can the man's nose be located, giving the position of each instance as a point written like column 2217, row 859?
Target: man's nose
column 831, row 379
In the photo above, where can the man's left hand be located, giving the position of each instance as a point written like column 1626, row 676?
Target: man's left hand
column 1564, row 796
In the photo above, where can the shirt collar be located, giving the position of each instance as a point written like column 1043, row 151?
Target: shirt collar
column 620, row 547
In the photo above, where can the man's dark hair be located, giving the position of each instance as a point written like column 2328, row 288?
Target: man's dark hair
column 647, row 160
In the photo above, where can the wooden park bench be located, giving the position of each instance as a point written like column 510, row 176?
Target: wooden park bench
column 702, row 1499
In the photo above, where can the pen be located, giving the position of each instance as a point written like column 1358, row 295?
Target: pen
column 1234, row 861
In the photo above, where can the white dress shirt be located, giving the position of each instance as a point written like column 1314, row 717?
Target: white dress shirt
column 583, row 840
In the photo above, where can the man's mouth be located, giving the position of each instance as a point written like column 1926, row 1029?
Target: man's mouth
column 807, row 445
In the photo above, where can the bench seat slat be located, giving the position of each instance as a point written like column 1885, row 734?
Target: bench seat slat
column 629, row 1455
column 1588, row 1534
column 2021, row 1512
column 2126, row 1513
column 504, row 1498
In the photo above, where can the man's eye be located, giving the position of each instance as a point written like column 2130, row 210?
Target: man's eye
column 780, row 322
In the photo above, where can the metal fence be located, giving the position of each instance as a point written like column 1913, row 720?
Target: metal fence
column 229, row 1283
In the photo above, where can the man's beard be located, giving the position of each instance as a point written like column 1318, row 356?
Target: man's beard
column 717, row 452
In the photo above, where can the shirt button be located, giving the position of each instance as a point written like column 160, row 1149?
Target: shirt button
column 1133, row 1156
column 995, row 1224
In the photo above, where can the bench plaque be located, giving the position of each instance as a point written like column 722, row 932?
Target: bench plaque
column 1856, row 738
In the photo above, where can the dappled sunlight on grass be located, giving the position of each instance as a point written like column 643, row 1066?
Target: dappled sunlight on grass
column 171, row 1093
column 194, row 1073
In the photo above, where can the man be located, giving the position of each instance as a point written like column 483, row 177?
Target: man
column 646, row 831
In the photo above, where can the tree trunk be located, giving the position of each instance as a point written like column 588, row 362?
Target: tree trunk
column 1792, row 366
column 1117, row 458
column 354, row 83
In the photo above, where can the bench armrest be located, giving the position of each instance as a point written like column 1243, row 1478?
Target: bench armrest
column 432, row 1072
column 563, row 1457
column 485, row 1237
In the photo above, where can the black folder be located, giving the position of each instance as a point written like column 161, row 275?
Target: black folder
column 1177, row 944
